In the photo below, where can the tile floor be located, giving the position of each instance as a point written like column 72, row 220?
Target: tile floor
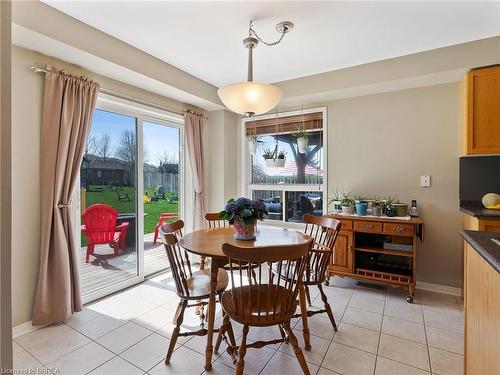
column 379, row 334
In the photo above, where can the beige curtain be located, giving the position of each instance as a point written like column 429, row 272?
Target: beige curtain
column 68, row 105
column 193, row 131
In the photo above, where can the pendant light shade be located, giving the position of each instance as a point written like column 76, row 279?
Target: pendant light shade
column 253, row 98
column 250, row 98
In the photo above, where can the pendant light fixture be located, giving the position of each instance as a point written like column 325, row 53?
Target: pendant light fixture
column 253, row 98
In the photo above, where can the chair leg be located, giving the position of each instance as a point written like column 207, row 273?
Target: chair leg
column 240, row 366
column 156, row 235
column 298, row 352
column 303, row 313
column 203, row 260
column 282, row 332
column 308, row 296
column 123, row 243
column 222, row 330
column 116, row 248
column 327, row 307
column 179, row 317
column 90, row 251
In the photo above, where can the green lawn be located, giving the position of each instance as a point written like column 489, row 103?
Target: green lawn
column 152, row 209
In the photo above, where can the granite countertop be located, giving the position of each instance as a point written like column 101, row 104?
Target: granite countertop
column 484, row 246
column 478, row 210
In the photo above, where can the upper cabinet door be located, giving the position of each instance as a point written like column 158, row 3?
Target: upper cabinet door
column 483, row 111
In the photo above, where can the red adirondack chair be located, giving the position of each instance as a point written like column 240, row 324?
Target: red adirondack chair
column 162, row 220
column 100, row 228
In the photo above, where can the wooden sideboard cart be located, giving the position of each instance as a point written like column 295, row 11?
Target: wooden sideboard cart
column 378, row 249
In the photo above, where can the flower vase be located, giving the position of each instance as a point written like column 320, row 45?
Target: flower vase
column 244, row 231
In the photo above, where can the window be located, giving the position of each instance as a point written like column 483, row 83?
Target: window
column 133, row 164
column 294, row 186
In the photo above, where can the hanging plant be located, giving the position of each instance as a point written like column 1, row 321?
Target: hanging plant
column 254, row 141
column 274, row 158
column 302, row 138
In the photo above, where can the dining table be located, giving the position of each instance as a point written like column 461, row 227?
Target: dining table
column 208, row 243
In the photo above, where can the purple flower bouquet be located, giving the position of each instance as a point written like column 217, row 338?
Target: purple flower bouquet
column 243, row 213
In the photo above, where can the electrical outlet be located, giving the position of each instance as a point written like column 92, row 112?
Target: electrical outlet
column 425, row 181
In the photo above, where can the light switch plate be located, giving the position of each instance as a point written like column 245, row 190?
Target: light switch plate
column 425, row 181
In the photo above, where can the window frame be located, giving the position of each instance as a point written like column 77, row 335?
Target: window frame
column 142, row 113
column 246, row 187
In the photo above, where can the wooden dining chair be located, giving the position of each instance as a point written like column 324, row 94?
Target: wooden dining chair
column 324, row 232
column 266, row 301
column 214, row 221
column 191, row 286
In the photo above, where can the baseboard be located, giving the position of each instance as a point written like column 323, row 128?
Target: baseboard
column 438, row 288
column 24, row 328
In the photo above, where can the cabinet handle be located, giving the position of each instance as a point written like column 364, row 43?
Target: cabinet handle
column 398, row 229
column 367, row 226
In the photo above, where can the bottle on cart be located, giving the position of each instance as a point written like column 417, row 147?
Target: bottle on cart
column 413, row 209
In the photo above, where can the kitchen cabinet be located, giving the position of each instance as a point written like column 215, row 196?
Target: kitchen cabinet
column 482, row 314
column 481, row 122
column 481, row 224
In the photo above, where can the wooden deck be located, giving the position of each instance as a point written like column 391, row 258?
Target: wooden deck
column 105, row 269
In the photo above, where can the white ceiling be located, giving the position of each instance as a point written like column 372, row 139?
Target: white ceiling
column 205, row 38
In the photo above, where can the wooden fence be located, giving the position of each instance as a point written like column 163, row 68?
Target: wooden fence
column 170, row 181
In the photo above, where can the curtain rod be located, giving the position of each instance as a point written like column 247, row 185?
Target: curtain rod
column 39, row 69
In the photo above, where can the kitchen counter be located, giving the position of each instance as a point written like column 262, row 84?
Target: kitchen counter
column 478, row 210
column 481, row 242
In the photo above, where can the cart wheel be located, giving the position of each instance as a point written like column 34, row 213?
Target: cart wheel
column 409, row 299
column 327, row 282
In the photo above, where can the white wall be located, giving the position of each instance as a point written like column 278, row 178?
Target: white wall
column 27, row 95
column 5, row 190
column 223, row 156
column 383, row 143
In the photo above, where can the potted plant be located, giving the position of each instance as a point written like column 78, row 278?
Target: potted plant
column 243, row 213
column 274, row 158
column 387, row 208
column 253, row 143
column 347, row 206
column 361, row 205
column 302, row 138
column 400, row 209
column 268, row 156
column 336, row 200
column 376, row 208
column 347, row 203
column 280, row 161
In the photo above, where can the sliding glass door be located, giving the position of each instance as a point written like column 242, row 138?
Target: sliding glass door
column 130, row 183
column 161, row 172
column 108, row 201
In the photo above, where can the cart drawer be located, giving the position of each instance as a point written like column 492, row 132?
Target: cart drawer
column 367, row 226
column 399, row 229
column 346, row 224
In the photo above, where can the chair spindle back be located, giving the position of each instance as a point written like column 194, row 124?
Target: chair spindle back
column 214, row 220
column 178, row 258
column 259, row 296
column 324, row 231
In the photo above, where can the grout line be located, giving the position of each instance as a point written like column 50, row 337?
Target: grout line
column 338, row 323
column 380, row 333
column 427, row 343
column 403, row 363
column 72, row 351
